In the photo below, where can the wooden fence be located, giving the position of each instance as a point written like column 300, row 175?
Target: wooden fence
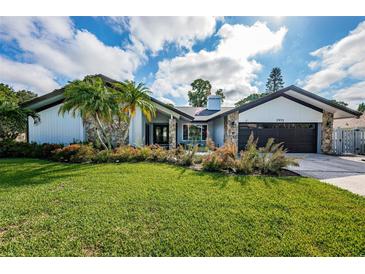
column 348, row 141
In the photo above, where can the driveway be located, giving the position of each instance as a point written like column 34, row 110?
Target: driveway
column 344, row 172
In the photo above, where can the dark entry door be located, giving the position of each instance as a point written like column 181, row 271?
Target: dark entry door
column 161, row 134
column 295, row 137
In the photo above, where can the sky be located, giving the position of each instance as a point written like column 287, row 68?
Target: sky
column 324, row 55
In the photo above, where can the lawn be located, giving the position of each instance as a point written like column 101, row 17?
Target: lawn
column 145, row 209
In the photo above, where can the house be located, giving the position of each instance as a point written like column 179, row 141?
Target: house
column 300, row 119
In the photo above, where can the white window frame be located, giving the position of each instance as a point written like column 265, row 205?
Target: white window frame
column 194, row 124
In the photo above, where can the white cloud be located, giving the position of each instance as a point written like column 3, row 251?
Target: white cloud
column 354, row 94
column 26, row 76
column 54, row 44
column 155, row 32
column 345, row 58
column 230, row 66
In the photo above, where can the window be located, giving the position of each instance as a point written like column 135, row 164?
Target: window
column 192, row 132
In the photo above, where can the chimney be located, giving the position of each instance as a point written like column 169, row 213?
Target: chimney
column 214, row 102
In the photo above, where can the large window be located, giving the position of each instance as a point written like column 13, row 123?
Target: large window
column 192, row 132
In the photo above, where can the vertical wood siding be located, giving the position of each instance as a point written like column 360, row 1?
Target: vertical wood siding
column 56, row 129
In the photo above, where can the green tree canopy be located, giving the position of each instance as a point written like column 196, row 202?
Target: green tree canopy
column 25, row 95
column 133, row 96
column 93, row 98
column 221, row 94
column 275, row 80
column 13, row 117
column 250, row 98
column 200, row 90
column 361, row 107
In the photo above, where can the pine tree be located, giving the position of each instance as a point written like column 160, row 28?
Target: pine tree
column 275, row 80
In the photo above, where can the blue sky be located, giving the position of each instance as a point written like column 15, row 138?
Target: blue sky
column 325, row 55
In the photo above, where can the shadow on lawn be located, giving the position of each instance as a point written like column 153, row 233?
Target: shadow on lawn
column 22, row 172
column 221, row 179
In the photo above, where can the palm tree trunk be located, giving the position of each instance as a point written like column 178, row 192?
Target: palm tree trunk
column 126, row 133
column 100, row 139
column 108, row 147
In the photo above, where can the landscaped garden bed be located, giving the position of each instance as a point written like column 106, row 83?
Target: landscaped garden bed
column 268, row 160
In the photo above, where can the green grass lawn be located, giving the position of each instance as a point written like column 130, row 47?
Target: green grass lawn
column 145, row 209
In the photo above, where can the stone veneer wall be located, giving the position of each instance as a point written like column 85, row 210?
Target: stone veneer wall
column 231, row 128
column 172, row 133
column 327, row 129
column 117, row 131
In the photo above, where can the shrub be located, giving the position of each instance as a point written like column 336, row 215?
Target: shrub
column 123, row 154
column 212, row 162
column 159, row 154
column 103, row 156
column 85, row 154
column 144, row 153
column 247, row 161
column 22, row 149
column 65, row 154
column 14, row 149
column 186, row 157
column 46, row 150
column 272, row 158
column 222, row 158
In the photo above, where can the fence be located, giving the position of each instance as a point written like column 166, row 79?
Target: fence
column 348, row 141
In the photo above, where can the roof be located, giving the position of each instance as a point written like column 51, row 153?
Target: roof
column 195, row 114
column 350, row 122
column 202, row 114
column 303, row 97
column 56, row 97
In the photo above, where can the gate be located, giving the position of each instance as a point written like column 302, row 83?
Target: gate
column 348, row 141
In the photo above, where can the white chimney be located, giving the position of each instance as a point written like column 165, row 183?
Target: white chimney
column 214, row 102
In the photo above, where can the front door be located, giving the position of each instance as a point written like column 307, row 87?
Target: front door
column 161, row 134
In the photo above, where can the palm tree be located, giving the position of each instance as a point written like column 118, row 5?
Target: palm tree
column 133, row 96
column 91, row 98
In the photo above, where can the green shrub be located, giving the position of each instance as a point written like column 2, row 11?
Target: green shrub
column 31, row 150
column 103, row 156
column 85, row 154
column 143, row 153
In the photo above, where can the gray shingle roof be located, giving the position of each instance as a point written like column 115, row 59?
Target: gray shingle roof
column 202, row 114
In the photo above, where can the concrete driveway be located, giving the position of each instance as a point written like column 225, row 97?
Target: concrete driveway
column 344, row 172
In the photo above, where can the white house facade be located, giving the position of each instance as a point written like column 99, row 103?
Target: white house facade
column 301, row 120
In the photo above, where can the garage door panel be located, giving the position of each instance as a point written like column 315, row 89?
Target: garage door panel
column 295, row 137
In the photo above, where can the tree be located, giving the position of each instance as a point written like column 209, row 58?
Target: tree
column 200, row 90
column 250, row 98
column 198, row 96
column 341, row 103
column 361, row 107
column 91, row 98
column 13, row 117
column 221, row 94
column 104, row 104
column 25, row 95
column 133, row 96
column 275, row 80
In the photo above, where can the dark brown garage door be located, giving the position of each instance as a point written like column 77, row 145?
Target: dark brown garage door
column 296, row 137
